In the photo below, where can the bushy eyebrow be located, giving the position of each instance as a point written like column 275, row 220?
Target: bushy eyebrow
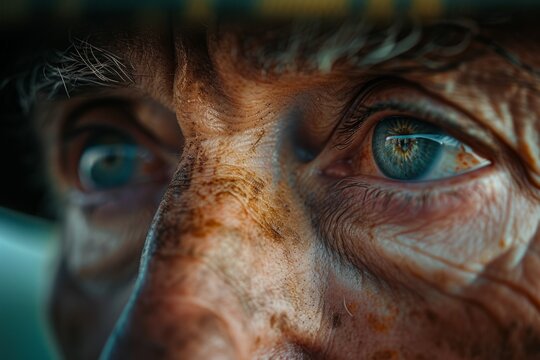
column 360, row 44
column 305, row 47
column 64, row 73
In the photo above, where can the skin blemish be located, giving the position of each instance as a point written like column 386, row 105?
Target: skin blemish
column 385, row 355
column 336, row 320
column 206, row 228
column 377, row 323
column 273, row 320
column 382, row 323
column 280, row 322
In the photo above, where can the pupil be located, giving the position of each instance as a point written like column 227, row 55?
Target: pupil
column 114, row 170
column 111, row 160
column 404, row 145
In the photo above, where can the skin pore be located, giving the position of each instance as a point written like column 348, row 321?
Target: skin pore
column 270, row 230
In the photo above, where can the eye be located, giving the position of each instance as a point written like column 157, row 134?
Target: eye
column 407, row 149
column 110, row 159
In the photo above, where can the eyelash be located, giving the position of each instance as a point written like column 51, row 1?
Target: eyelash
column 361, row 113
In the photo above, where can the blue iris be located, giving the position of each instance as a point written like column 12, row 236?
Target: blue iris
column 108, row 161
column 399, row 154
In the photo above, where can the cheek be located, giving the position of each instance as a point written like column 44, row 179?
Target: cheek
column 102, row 240
column 417, row 274
column 82, row 321
column 462, row 232
column 103, row 235
column 461, row 229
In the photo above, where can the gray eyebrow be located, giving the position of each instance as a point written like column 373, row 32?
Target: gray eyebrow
column 80, row 66
column 303, row 46
column 361, row 44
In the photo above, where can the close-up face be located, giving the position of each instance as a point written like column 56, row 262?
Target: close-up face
column 295, row 190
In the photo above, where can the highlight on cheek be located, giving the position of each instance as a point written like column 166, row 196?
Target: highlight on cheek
column 408, row 149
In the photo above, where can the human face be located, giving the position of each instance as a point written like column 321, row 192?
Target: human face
column 282, row 217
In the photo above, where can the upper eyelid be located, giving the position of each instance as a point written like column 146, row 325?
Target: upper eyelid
column 429, row 109
column 72, row 118
column 72, row 128
column 73, row 134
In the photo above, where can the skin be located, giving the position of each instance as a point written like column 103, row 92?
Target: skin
column 274, row 238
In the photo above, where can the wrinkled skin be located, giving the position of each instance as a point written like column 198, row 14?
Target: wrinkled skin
column 258, row 250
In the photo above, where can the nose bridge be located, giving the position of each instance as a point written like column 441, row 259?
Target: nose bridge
column 189, row 301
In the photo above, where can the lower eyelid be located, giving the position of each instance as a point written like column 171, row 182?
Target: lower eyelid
column 129, row 208
column 118, row 199
column 386, row 204
column 374, row 205
column 444, row 184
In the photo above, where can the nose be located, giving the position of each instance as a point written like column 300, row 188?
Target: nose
column 187, row 304
column 184, row 329
column 162, row 324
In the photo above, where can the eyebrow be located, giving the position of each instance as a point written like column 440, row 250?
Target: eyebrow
column 81, row 67
column 84, row 67
column 360, row 44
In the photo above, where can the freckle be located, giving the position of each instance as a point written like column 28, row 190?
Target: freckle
column 273, row 320
column 199, row 232
column 377, row 324
column 212, row 223
column 385, row 355
column 280, row 322
column 502, row 243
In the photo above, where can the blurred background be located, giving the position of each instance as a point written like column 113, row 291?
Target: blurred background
column 27, row 255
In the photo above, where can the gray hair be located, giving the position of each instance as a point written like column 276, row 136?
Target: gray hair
column 360, row 43
column 81, row 65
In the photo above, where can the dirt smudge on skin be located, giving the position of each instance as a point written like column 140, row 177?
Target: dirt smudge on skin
column 206, row 228
column 385, row 355
column 377, row 323
column 382, row 323
column 280, row 322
